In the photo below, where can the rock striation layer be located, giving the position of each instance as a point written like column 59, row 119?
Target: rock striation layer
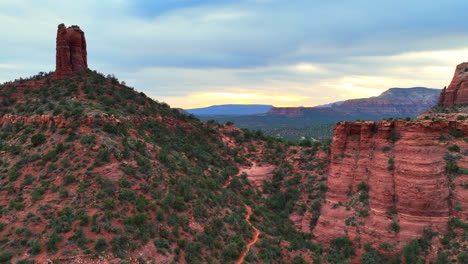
column 403, row 164
column 71, row 55
column 457, row 92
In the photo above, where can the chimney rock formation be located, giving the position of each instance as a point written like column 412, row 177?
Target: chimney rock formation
column 457, row 92
column 71, row 51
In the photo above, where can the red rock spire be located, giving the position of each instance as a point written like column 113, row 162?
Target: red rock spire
column 71, row 51
column 457, row 92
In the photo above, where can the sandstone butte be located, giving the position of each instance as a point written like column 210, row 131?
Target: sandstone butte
column 457, row 92
column 71, row 55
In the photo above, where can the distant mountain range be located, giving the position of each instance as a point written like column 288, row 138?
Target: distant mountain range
column 230, row 109
column 395, row 102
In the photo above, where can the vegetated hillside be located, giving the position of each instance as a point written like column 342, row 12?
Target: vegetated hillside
column 230, row 109
column 93, row 171
column 395, row 102
column 317, row 132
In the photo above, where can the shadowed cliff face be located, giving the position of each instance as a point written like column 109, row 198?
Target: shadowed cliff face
column 457, row 92
column 71, row 51
column 397, row 173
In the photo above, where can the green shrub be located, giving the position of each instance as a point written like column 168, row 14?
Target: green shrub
column 88, row 140
column 38, row 139
column 6, row 255
column 452, row 167
column 120, row 245
column 456, row 133
column 100, row 245
column 26, row 261
column 54, row 239
column 372, row 256
column 443, row 138
column 69, row 179
column 162, row 243
column 386, row 246
column 391, row 164
column 125, row 183
column 103, row 155
column 363, row 186
column 35, row 247
column 127, row 194
column 50, row 155
column 111, row 129
column 413, row 249
column 454, row 148
column 364, row 198
column 144, row 164
column 462, row 258
column 28, row 180
column 341, row 248
column 364, row 213
column 37, row 193
column 395, row 227
column 442, row 258
column 23, row 231
column 394, row 136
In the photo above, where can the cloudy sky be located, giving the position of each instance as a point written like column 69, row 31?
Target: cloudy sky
column 194, row 53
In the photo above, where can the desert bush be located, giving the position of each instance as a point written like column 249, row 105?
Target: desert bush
column 88, row 140
column 38, row 139
column 100, row 245
column 51, row 244
column 456, row 133
column 6, row 255
column 454, row 148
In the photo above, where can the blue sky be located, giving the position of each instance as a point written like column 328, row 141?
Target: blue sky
column 192, row 53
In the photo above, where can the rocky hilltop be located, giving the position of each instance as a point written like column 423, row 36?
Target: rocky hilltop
column 457, row 92
column 92, row 171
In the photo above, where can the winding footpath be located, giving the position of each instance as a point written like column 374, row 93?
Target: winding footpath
column 254, row 238
column 257, row 232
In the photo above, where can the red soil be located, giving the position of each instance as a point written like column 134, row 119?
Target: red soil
column 254, row 238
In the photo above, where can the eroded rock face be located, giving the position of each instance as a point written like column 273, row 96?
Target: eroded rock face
column 457, row 92
column 417, row 188
column 71, row 51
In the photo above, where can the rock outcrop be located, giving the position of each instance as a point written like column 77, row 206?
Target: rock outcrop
column 71, row 51
column 457, row 92
column 403, row 164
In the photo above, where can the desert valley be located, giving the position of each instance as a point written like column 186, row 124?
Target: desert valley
column 94, row 171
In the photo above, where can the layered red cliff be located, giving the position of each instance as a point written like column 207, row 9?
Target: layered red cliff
column 417, row 188
column 457, row 92
column 71, row 54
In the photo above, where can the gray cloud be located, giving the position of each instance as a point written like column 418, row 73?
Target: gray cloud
column 178, row 48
